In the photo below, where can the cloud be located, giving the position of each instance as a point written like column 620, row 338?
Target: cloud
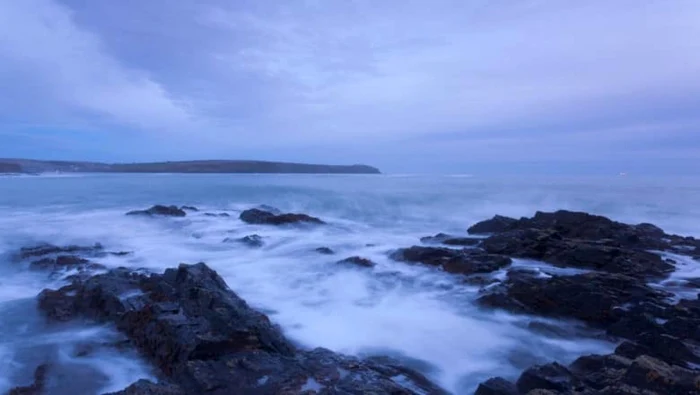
column 378, row 81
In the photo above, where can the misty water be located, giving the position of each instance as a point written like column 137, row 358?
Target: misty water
column 417, row 314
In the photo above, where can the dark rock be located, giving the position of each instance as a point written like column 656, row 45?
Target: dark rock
column 325, row 251
column 466, row 261
column 206, row 339
column 254, row 241
column 357, row 261
column 683, row 328
column 189, row 208
column 496, row 224
column 160, row 210
column 600, row 371
column 65, row 262
column 261, row 217
column 442, row 238
column 224, row 215
column 549, row 377
column 37, row 387
column 631, row 326
column 651, row 374
column 496, row 386
column 589, row 297
column 145, row 387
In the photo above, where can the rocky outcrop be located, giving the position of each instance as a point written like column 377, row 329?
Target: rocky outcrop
column 464, row 261
column 254, row 241
column 42, row 250
column 205, row 339
column 160, row 210
column 261, row 217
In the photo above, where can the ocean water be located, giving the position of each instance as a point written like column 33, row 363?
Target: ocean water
column 420, row 315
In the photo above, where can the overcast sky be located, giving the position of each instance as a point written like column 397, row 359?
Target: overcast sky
column 463, row 86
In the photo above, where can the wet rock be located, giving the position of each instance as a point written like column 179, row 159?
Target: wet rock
column 548, row 377
column 160, row 210
column 466, row 261
column 357, row 261
column 65, row 262
column 50, row 249
column 600, row 371
column 145, row 387
column 325, row 251
column 189, row 208
column 261, row 217
column 655, row 375
column 223, row 215
column 496, row 224
column 442, row 238
column 496, row 386
column 37, row 387
column 590, row 297
column 254, row 241
column 206, row 339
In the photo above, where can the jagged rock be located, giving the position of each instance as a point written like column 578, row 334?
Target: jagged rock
column 652, row 374
column 325, row 251
column 465, row 261
column 206, row 339
column 65, row 262
column 552, row 376
column 357, row 261
column 254, row 241
column 261, row 217
column 442, row 238
column 37, row 387
column 496, row 386
column 160, row 210
column 496, row 224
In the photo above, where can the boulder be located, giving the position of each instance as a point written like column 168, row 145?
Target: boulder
column 464, row 261
column 552, row 376
column 496, row 386
column 160, row 210
column 260, row 217
column 357, row 261
column 205, row 339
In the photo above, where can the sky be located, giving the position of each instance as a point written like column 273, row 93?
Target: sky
column 457, row 86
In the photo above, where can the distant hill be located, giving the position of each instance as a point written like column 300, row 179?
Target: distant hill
column 197, row 166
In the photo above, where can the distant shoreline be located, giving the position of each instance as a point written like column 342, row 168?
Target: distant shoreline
column 31, row 166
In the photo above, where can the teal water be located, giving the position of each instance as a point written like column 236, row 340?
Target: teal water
column 423, row 316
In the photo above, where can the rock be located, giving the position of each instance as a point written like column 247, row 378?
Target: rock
column 549, row 377
column 550, row 246
column 261, row 217
column 325, row 251
column 590, row 297
column 496, row 386
column 496, row 224
column 254, row 241
column 466, row 261
column 189, row 208
column 442, row 238
column 50, row 249
column 225, row 215
column 145, row 387
column 600, row 371
column 160, row 210
column 205, row 339
column 357, row 261
column 65, row 262
column 651, row 374
column 37, row 387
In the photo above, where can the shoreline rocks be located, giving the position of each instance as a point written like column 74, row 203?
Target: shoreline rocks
column 160, row 210
column 465, row 261
column 205, row 339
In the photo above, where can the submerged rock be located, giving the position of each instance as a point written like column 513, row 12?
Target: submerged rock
column 205, row 339
column 224, row 215
column 189, row 208
column 65, row 262
column 466, row 261
column 50, row 249
column 254, row 241
column 261, row 217
column 38, row 387
column 160, row 210
column 357, row 261
column 325, row 251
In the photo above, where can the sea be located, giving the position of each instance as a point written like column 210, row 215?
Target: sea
column 419, row 315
